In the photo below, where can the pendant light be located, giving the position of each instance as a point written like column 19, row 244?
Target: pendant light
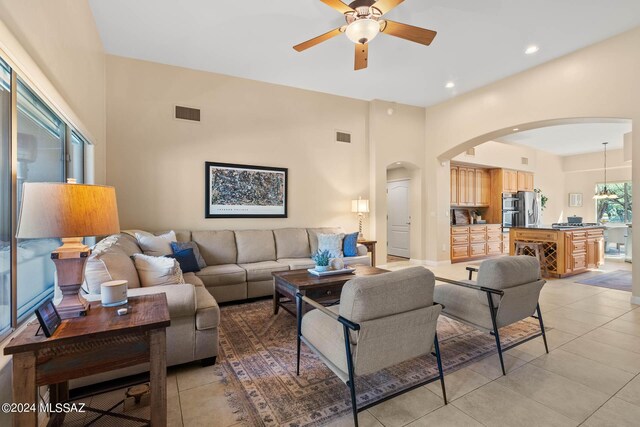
column 605, row 193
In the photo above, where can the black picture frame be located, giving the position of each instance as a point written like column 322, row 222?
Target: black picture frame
column 48, row 317
column 271, row 186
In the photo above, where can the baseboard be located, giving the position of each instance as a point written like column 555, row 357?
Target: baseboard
column 635, row 300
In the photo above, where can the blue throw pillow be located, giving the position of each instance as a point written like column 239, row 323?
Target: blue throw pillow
column 350, row 244
column 187, row 260
column 178, row 246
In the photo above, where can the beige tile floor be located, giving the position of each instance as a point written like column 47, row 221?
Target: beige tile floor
column 590, row 377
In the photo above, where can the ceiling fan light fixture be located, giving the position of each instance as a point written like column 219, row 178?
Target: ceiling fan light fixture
column 362, row 31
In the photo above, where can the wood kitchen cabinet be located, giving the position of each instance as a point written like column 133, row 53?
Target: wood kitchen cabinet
column 525, row 181
column 475, row 241
column 454, row 186
column 482, row 187
column 509, row 181
column 470, row 186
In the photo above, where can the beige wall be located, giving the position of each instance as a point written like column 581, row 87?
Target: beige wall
column 56, row 46
column 156, row 162
column 595, row 82
column 397, row 137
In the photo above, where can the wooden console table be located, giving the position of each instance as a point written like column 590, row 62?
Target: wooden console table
column 101, row 341
column 371, row 247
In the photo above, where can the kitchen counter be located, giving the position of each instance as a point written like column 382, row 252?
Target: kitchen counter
column 567, row 251
column 549, row 227
column 472, row 225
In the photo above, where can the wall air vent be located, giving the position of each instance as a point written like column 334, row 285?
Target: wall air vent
column 344, row 137
column 524, row 160
column 187, row 113
column 471, row 152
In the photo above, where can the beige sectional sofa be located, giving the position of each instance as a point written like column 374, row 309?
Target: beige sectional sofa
column 240, row 263
column 239, row 266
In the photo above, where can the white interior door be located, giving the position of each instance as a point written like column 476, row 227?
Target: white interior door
column 399, row 220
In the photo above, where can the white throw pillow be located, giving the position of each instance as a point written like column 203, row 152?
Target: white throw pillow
column 157, row 271
column 156, row 245
column 331, row 243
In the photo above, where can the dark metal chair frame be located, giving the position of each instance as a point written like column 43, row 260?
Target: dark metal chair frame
column 348, row 326
column 494, row 311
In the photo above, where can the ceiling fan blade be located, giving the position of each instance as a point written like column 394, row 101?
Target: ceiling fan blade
column 362, row 56
column 409, row 32
column 338, row 5
column 385, row 6
column 317, row 40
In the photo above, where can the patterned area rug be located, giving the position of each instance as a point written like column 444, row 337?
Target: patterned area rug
column 619, row 279
column 259, row 352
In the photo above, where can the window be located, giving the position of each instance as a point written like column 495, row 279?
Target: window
column 5, row 198
column 615, row 210
column 41, row 148
column 47, row 150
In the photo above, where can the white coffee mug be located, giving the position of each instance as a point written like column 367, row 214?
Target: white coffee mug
column 113, row 293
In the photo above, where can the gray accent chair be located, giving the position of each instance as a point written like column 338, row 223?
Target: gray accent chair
column 506, row 292
column 381, row 321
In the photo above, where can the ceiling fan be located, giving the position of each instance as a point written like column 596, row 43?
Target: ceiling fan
column 364, row 22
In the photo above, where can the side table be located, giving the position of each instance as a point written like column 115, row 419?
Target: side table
column 371, row 247
column 99, row 342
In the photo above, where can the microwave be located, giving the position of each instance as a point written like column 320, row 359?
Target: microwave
column 509, row 201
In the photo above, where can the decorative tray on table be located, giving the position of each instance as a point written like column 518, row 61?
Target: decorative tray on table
column 331, row 272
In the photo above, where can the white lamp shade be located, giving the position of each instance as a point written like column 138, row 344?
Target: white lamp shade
column 360, row 206
column 57, row 210
column 363, row 30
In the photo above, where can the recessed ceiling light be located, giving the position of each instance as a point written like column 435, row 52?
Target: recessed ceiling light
column 450, row 85
column 516, row 129
column 398, row 163
column 531, row 49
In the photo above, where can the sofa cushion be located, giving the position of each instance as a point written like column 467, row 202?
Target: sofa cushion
column 110, row 263
column 255, row 246
column 192, row 279
column 297, row 263
column 156, row 245
column 157, row 271
column 178, row 246
column 292, row 243
column 357, row 260
column 313, row 236
column 257, row 271
column 181, row 299
column 216, row 247
column 207, row 310
column 126, row 242
column 222, row 275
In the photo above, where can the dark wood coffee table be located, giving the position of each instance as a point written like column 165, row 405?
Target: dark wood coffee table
column 325, row 289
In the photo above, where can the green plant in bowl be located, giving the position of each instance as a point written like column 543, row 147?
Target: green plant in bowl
column 322, row 258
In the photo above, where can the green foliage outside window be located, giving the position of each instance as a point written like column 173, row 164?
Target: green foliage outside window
column 617, row 210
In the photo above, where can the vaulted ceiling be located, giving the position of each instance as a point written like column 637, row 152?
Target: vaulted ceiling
column 478, row 41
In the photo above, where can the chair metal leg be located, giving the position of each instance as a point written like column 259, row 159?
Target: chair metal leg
column 495, row 331
column 437, row 347
column 299, row 312
column 350, row 383
column 544, row 335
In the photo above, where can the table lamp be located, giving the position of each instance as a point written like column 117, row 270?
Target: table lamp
column 69, row 212
column 361, row 207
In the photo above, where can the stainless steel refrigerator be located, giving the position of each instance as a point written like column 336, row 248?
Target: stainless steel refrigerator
column 529, row 209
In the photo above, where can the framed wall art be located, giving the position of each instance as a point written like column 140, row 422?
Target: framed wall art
column 245, row 191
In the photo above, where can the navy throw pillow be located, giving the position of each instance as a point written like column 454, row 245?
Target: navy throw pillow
column 187, row 260
column 178, row 246
column 350, row 244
